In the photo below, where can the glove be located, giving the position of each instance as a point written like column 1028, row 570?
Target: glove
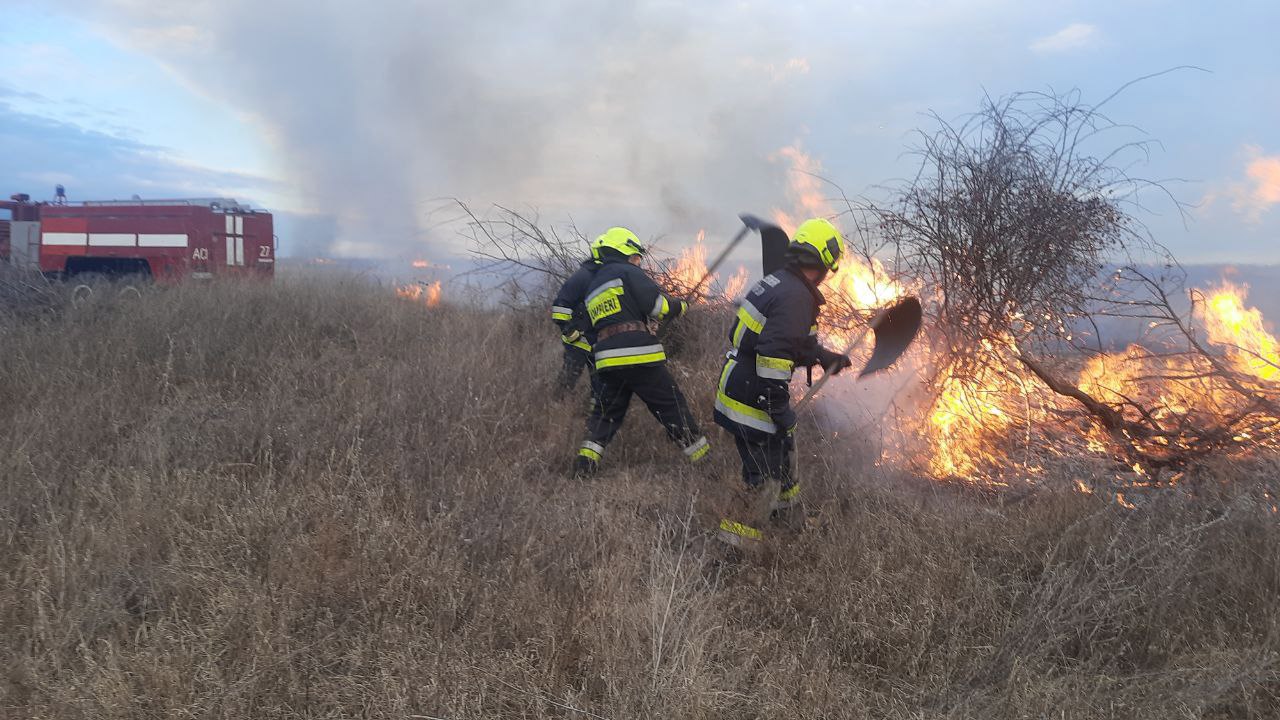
column 572, row 336
column 833, row 362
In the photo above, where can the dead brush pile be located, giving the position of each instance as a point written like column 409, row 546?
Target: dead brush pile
column 320, row 500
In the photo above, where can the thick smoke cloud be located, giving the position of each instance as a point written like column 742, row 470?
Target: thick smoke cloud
column 647, row 113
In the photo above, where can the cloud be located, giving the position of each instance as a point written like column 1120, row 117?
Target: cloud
column 1071, row 37
column 1261, row 190
column 40, row 152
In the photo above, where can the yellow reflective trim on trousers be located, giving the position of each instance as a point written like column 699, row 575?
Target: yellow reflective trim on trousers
column 589, row 453
column 790, row 493
column 737, row 528
column 630, row 360
column 697, row 449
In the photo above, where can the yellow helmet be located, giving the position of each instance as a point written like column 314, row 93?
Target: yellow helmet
column 818, row 240
column 620, row 240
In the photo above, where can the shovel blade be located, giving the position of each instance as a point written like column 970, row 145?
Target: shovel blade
column 773, row 248
column 894, row 334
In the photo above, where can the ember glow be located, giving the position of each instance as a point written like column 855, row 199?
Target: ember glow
column 428, row 294
column 420, row 264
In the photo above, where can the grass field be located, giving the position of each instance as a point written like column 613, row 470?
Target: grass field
column 318, row 500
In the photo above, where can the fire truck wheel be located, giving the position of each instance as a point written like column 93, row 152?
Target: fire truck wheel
column 80, row 294
column 129, row 292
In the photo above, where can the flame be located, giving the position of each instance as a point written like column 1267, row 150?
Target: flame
column 736, row 285
column 972, row 419
column 971, row 430
column 691, row 267
column 966, row 415
column 804, row 188
column 422, row 292
column 1242, row 332
column 861, row 283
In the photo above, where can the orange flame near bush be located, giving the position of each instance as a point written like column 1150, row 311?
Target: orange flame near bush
column 968, row 418
column 1241, row 330
column 691, row 267
column 863, row 282
column 421, row 292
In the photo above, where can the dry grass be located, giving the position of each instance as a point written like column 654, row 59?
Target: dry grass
column 319, row 501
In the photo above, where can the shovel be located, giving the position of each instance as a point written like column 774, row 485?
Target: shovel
column 749, row 223
column 894, row 328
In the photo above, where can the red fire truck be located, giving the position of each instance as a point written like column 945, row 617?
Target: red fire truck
column 167, row 240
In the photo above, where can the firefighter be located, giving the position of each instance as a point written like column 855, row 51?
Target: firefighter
column 621, row 300
column 774, row 332
column 569, row 312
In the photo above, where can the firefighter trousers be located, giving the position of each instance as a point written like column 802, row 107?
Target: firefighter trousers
column 575, row 361
column 764, row 460
column 655, row 386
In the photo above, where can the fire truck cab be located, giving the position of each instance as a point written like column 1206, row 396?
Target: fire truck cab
column 167, row 240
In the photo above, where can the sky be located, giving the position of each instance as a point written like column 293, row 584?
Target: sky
column 356, row 123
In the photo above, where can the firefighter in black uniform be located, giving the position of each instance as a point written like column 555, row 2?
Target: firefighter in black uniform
column 620, row 302
column 774, row 332
column 569, row 312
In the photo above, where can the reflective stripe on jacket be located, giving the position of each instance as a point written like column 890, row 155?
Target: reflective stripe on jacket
column 623, row 293
column 774, row 331
column 569, row 311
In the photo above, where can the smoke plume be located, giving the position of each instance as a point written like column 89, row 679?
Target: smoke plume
column 654, row 114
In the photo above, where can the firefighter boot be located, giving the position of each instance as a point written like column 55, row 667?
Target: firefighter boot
column 588, row 459
column 786, row 509
column 748, row 512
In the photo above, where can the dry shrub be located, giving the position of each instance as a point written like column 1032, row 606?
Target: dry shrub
column 318, row 500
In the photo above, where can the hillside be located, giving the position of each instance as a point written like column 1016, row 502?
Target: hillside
column 315, row 499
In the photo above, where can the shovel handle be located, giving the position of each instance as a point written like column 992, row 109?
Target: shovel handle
column 829, row 371
column 715, row 264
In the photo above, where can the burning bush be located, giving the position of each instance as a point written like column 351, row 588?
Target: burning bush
column 1009, row 230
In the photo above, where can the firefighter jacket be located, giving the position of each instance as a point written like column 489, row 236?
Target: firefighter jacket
column 569, row 310
column 622, row 293
column 773, row 333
